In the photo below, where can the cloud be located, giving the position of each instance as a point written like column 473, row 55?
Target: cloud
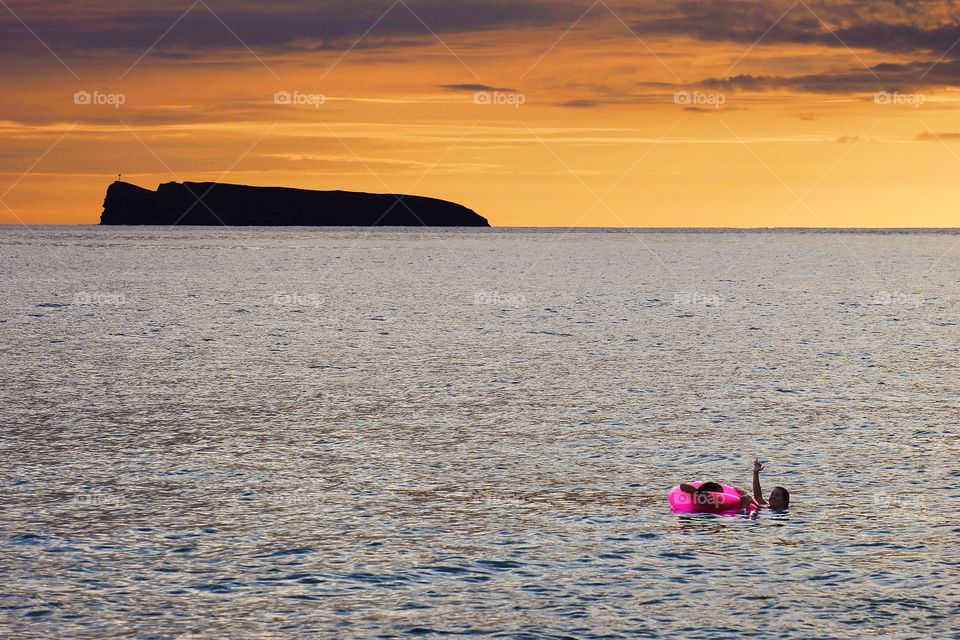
column 284, row 26
column 885, row 25
column 919, row 35
column 476, row 87
column 899, row 37
column 581, row 104
column 101, row 25
column 890, row 77
column 927, row 32
column 931, row 136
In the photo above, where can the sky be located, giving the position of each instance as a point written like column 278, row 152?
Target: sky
column 642, row 113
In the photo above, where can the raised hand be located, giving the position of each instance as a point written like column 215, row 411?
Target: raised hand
column 757, row 490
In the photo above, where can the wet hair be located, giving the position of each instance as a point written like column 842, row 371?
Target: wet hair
column 786, row 495
column 712, row 487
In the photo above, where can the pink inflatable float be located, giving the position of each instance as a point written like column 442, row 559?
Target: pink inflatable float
column 705, row 501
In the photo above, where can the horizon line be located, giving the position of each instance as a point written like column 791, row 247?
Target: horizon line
column 494, row 227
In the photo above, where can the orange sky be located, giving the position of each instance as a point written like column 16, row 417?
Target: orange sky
column 638, row 114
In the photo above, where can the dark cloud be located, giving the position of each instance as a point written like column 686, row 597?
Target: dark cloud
column 901, row 38
column 277, row 27
column 476, row 87
column 581, row 104
column 926, row 30
column 892, row 78
column 885, row 26
column 93, row 25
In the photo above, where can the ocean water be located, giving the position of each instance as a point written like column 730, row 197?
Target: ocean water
column 397, row 433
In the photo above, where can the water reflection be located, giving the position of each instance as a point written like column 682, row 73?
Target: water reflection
column 401, row 460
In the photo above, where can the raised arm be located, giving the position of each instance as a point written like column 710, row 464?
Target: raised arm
column 757, row 491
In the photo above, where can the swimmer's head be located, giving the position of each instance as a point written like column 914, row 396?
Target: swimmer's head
column 779, row 498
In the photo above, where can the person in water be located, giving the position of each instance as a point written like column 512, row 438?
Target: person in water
column 779, row 498
column 778, row 501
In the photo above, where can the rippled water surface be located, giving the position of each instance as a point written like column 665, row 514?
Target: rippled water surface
column 269, row 433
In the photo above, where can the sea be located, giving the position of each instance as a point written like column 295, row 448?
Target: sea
column 398, row 433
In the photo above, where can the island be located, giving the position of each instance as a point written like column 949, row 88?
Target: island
column 217, row 204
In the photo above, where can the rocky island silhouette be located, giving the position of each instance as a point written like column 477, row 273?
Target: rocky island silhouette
column 217, row 204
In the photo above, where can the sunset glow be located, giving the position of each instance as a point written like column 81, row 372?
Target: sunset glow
column 533, row 113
